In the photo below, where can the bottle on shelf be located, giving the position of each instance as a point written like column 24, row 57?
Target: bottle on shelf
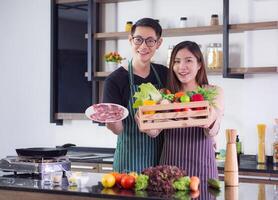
column 183, row 22
column 214, row 20
column 238, row 148
column 170, row 49
column 261, row 143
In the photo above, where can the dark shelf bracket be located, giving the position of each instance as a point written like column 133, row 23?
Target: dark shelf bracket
column 226, row 72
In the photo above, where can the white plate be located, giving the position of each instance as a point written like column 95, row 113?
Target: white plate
column 91, row 110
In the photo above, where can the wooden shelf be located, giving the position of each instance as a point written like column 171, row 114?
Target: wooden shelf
column 235, row 28
column 253, row 70
column 201, row 30
column 233, row 70
column 70, row 1
column 110, row 35
column 114, row 1
column 246, row 70
column 98, row 1
column 102, row 74
column 71, row 116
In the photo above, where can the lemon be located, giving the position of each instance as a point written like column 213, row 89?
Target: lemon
column 108, row 180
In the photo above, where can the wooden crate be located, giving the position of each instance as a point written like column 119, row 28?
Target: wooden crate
column 167, row 116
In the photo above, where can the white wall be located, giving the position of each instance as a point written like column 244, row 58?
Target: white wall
column 25, row 72
column 25, row 83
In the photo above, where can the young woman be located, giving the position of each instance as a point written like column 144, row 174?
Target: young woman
column 136, row 151
column 192, row 148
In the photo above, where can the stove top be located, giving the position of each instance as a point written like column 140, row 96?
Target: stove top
column 34, row 165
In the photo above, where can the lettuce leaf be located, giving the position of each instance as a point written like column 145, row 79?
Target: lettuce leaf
column 182, row 183
column 146, row 91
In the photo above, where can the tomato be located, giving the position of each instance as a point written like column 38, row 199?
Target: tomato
column 128, row 182
column 119, row 178
column 134, row 174
column 114, row 174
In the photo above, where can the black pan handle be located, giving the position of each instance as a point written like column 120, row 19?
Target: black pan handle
column 67, row 145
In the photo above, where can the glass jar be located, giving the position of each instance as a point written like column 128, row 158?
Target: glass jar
column 214, row 20
column 128, row 26
column 183, row 22
column 170, row 49
column 275, row 145
column 214, row 56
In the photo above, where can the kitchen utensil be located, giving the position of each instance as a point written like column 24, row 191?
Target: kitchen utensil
column 42, row 152
column 231, row 193
column 231, row 165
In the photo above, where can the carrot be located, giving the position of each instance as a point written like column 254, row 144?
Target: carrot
column 179, row 94
column 194, row 183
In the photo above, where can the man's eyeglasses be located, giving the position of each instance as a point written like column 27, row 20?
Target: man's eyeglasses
column 138, row 40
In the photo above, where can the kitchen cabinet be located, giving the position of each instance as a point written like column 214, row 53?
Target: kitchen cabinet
column 71, row 91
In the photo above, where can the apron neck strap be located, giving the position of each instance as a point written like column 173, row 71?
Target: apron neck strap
column 131, row 77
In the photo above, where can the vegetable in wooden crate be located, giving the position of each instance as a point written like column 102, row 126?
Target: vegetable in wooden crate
column 179, row 110
column 146, row 92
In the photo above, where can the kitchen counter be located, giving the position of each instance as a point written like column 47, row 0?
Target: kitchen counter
column 247, row 165
column 25, row 188
column 249, row 169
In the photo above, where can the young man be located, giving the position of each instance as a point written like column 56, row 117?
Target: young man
column 135, row 150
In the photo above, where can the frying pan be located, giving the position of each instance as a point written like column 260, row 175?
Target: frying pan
column 42, row 152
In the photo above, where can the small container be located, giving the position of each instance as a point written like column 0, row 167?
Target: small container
column 183, row 22
column 214, row 20
column 275, row 145
column 56, row 178
column 170, row 49
column 214, row 56
column 238, row 145
column 46, row 178
column 128, row 26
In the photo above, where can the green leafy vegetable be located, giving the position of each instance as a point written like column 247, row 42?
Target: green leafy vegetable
column 182, row 183
column 169, row 97
column 146, row 91
column 209, row 94
column 141, row 182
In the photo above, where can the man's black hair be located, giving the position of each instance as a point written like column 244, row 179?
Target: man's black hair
column 148, row 22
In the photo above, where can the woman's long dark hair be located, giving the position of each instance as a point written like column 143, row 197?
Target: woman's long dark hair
column 201, row 78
